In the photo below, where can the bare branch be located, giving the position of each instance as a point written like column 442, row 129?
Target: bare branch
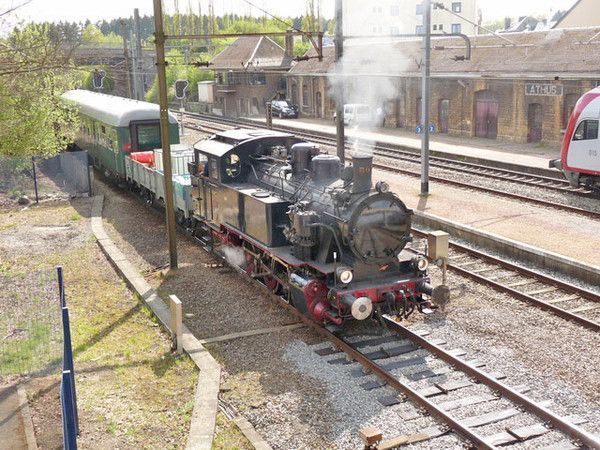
column 14, row 8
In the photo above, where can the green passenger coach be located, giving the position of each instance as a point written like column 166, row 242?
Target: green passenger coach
column 113, row 127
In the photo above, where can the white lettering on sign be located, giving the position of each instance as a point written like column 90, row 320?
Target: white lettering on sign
column 549, row 90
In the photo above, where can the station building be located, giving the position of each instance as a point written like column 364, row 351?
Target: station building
column 517, row 87
column 248, row 73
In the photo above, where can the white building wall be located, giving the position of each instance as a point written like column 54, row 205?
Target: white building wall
column 385, row 17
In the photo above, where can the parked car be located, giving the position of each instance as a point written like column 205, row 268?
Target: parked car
column 284, row 108
column 356, row 113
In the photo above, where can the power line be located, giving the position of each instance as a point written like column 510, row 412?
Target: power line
column 272, row 15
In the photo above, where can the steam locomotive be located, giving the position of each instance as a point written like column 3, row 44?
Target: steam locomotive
column 308, row 227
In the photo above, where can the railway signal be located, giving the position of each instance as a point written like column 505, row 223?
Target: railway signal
column 181, row 88
column 98, row 78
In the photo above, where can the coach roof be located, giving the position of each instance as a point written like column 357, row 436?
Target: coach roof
column 112, row 110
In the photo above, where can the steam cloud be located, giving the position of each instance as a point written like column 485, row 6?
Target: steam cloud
column 234, row 256
column 368, row 73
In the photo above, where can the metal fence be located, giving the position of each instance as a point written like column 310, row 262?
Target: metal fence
column 30, row 326
column 26, row 179
column 68, row 395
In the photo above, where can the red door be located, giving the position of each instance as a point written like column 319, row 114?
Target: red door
column 486, row 119
column 534, row 122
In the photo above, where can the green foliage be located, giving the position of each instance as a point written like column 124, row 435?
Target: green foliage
column 92, row 35
column 35, row 71
column 176, row 70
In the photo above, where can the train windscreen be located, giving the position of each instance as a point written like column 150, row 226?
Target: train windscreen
column 148, row 137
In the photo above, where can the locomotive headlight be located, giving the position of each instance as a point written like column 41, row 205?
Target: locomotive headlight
column 344, row 274
column 420, row 263
column 382, row 187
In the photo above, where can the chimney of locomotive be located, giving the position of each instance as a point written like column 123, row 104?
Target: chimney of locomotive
column 302, row 153
column 362, row 165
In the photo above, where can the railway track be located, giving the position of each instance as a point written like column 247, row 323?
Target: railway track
column 414, row 366
column 561, row 298
column 406, row 359
column 396, row 154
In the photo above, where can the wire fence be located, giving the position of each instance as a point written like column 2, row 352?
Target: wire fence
column 30, row 323
column 26, row 179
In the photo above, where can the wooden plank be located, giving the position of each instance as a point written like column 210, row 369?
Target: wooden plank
column 228, row 337
column 450, row 386
column 521, row 283
column 528, row 432
column 563, row 299
column 489, row 269
column 466, row 401
column 423, row 435
column 542, row 291
column 327, row 351
column 430, row 391
column 410, row 414
column 388, row 400
column 375, row 384
column 429, row 373
column 491, row 417
column 584, row 308
column 470, row 263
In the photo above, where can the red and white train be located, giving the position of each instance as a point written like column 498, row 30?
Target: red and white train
column 580, row 152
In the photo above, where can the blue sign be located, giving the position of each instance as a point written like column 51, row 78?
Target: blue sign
column 432, row 128
column 419, row 129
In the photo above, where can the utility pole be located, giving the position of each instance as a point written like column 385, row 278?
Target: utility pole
column 140, row 60
column 425, row 92
column 134, row 77
column 159, row 38
column 126, row 56
column 339, row 82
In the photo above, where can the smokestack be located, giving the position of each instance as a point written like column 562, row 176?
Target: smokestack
column 507, row 23
column 362, row 167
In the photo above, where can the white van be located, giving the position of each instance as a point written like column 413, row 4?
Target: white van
column 356, row 113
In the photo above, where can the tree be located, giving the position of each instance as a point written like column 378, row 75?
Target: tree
column 34, row 72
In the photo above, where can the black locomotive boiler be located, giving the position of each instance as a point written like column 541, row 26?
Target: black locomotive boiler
column 311, row 229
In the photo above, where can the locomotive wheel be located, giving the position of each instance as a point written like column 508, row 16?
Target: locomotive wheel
column 272, row 283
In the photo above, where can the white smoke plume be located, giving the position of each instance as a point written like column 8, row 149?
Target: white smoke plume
column 369, row 73
column 234, row 256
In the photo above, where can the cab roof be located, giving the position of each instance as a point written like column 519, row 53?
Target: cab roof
column 224, row 141
column 113, row 110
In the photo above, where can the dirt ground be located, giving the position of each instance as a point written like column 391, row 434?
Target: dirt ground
column 132, row 391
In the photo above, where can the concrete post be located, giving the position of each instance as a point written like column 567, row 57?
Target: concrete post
column 176, row 322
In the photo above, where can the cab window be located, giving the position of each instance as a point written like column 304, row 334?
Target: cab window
column 586, row 130
column 148, row 137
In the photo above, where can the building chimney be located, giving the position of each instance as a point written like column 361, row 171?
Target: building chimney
column 289, row 45
column 507, row 23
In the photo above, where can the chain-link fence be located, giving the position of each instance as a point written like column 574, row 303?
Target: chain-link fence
column 30, row 322
column 26, row 179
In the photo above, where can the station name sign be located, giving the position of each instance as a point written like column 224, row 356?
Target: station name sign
column 548, row 90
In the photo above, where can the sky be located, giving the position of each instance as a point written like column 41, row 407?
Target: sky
column 79, row 10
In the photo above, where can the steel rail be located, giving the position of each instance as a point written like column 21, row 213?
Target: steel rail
column 392, row 381
column 545, row 414
column 565, row 314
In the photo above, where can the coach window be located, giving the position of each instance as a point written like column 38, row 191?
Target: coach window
column 148, row 137
column 586, row 130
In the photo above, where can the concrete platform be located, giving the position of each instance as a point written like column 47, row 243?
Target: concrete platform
column 525, row 155
column 16, row 427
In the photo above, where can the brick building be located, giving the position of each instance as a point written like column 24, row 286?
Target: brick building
column 248, row 73
column 521, row 91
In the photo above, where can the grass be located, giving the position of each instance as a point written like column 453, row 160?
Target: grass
column 228, row 436
column 131, row 390
column 27, row 353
